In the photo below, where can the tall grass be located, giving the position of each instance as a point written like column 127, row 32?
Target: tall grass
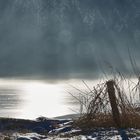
column 96, row 110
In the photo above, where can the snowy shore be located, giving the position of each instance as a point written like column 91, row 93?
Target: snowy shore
column 56, row 129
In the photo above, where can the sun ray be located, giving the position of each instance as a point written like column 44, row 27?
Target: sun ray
column 32, row 7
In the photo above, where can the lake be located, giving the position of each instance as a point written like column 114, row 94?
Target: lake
column 29, row 99
column 33, row 98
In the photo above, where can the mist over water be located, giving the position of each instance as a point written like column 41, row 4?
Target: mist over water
column 67, row 39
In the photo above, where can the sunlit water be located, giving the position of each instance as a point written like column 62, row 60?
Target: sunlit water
column 33, row 98
column 30, row 99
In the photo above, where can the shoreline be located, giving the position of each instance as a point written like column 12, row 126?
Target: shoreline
column 56, row 129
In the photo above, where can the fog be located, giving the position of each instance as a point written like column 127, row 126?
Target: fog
column 65, row 39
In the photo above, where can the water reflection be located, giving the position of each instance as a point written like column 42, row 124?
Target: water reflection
column 9, row 101
column 9, row 98
column 32, row 98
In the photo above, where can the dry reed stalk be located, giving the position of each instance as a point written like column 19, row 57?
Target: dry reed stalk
column 98, row 112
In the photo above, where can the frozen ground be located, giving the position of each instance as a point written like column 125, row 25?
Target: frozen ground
column 45, row 129
column 104, row 134
column 35, row 136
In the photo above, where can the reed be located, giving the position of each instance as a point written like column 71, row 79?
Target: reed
column 100, row 109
